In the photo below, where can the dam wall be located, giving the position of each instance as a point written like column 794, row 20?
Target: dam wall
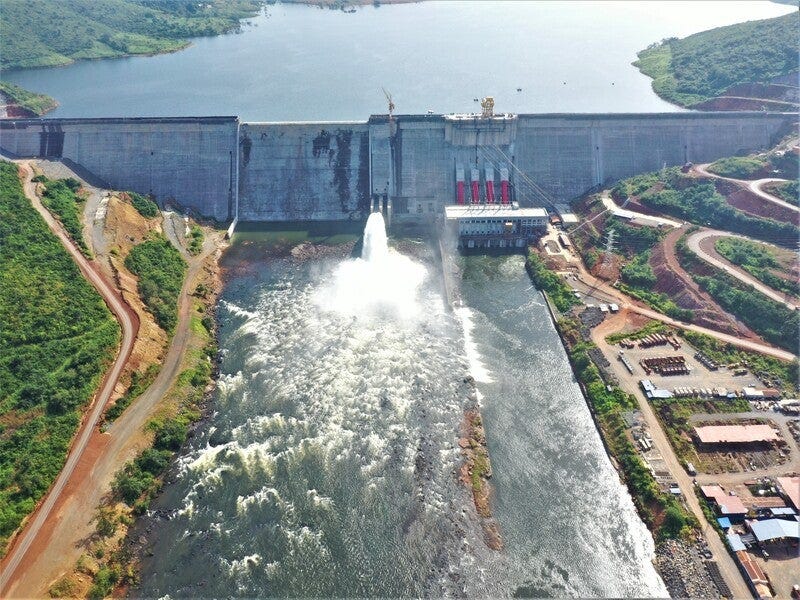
column 189, row 161
column 303, row 171
column 225, row 169
column 565, row 155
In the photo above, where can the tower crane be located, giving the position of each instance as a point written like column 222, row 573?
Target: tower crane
column 391, row 110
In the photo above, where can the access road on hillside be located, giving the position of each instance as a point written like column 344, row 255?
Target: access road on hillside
column 130, row 327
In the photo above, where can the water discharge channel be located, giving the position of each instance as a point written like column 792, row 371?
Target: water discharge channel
column 328, row 467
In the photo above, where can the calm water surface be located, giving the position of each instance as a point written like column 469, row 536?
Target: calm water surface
column 304, row 63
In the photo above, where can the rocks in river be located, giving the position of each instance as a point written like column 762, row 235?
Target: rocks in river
column 307, row 251
column 475, row 473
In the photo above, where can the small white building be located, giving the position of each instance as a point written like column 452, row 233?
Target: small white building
column 495, row 225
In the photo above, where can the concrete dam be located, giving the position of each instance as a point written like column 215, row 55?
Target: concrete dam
column 225, row 169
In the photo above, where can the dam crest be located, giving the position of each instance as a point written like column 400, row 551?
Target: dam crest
column 225, row 169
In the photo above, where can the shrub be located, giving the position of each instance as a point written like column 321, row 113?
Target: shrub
column 170, row 436
column 738, row 167
column 146, row 207
column 161, row 269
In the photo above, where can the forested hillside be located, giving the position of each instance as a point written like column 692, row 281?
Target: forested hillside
column 56, row 337
column 40, row 33
column 702, row 66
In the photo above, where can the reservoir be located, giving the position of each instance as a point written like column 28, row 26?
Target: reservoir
column 328, row 468
column 300, row 63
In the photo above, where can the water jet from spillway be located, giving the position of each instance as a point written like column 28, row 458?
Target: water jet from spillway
column 382, row 281
column 376, row 244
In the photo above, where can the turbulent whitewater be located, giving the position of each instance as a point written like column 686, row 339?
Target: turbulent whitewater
column 328, row 468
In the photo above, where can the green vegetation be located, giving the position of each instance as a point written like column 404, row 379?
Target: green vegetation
column 160, row 269
column 658, row 301
column 103, row 583
column 45, row 33
column 62, row 199
column 696, row 201
column 57, row 337
column 727, row 354
column 637, row 185
column 771, row 320
column 196, row 238
column 756, row 259
column 649, row 329
column 63, row 588
column 702, row 66
column 146, row 207
column 739, row 167
column 556, row 288
column 140, row 381
column 608, row 403
column 787, row 191
column 638, row 272
column 36, row 104
column 634, row 240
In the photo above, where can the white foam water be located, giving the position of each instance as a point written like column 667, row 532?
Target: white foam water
column 381, row 282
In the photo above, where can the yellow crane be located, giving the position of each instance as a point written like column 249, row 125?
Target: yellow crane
column 391, row 110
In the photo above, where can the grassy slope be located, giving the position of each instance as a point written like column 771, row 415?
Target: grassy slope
column 759, row 261
column 787, row 190
column 61, row 198
column 161, row 270
column 56, row 339
column 698, row 202
column 42, row 33
column 702, row 66
column 37, row 104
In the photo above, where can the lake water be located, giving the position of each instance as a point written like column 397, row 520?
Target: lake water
column 305, row 63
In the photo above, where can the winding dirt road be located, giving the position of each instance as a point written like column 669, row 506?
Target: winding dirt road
column 614, row 295
column 697, row 240
column 624, row 213
column 753, row 186
column 59, row 541
column 130, row 327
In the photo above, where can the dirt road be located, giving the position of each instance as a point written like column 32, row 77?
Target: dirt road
column 625, row 302
column 62, row 538
column 702, row 244
column 754, row 186
column 130, row 325
column 650, row 220
column 727, row 567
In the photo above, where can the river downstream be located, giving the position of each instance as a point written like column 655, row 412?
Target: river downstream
column 328, row 467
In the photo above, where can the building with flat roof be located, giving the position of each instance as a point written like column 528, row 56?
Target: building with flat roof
column 495, row 225
column 727, row 505
column 790, row 486
column 736, row 434
column 770, row 530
